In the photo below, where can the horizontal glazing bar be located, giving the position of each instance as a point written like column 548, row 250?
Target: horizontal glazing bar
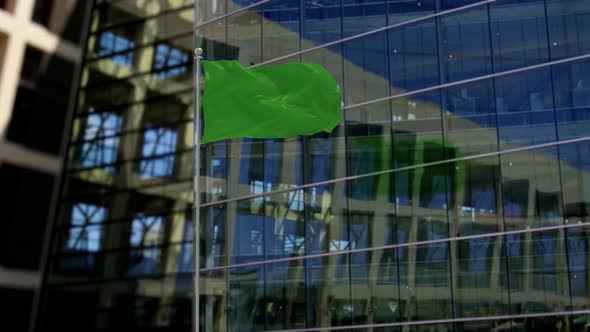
column 440, row 321
column 396, row 246
column 400, row 169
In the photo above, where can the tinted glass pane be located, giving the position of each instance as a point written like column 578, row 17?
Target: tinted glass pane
column 572, row 98
column 413, row 57
column 470, row 118
column 531, row 189
column 465, row 48
column 519, row 34
column 525, row 116
column 365, row 62
column 567, row 20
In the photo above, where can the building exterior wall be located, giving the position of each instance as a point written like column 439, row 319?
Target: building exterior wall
column 454, row 195
column 39, row 54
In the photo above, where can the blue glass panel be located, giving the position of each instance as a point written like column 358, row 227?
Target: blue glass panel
column 88, row 237
column 569, row 23
column 470, row 118
column 519, row 34
column 465, row 49
column 322, row 22
column 578, row 250
column 111, row 43
column 404, row 10
column 366, row 69
column 451, row 4
column 280, row 25
column 525, row 115
column 169, row 61
column 101, row 144
column 572, row 99
column 413, row 57
column 159, row 145
column 362, row 15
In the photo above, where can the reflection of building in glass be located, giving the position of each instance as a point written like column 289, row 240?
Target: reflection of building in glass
column 474, row 217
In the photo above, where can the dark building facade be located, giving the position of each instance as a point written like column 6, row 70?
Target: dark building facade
column 40, row 54
column 454, row 195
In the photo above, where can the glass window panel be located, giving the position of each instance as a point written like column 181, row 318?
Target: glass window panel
column 568, row 21
column 285, row 292
column 452, row 4
column 375, row 294
column 146, row 235
column 101, row 144
column 118, row 44
column 247, row 230
column 158, row 147
column 331, row 59
column 539, row 279
column 207, row 10
column 405, row 10
column 432, row 260
column 519, row 34
column 246, row 303
column 417, row 133
column 280, row 24
column 366, row 69
column 413, row 57
column 328, row 288
column 169, row 61
column 285, row 218
column 215, row 171
column 363, row 15
column 84, row 236
column 213, row 300
column 244, row 33
column 322, row 22
column 470, row 118
column 427, row 295
column 531, row 189
column 369, row 149
column 572, row 98
column 477, row 196
column 478, row 273
column 465, row 48
column 214, row 41
column 578, row 249
column 525, row 115
column 575, row 177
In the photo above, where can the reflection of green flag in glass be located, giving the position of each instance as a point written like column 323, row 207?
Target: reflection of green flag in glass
column 268, row 102
column 379, row 153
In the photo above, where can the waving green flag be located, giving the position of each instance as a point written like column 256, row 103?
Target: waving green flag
column 268, row 101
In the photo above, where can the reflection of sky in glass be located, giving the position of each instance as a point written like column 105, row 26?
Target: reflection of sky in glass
column 96, row 150
column 169, row 57
column 111, row 43
column 146, row 232
column 158, row 141
column 86, row 230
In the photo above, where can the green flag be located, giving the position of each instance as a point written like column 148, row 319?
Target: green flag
column 268, row 102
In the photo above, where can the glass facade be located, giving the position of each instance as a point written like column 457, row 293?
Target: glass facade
column 454, row 195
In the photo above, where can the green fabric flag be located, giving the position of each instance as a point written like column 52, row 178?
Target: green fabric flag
column 268, row 102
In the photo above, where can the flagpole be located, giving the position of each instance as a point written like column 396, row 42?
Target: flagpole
column 196, row 190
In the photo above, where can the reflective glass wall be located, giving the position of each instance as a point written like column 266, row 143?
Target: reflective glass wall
column 454, row 195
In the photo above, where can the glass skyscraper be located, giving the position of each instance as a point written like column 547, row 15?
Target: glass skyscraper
column 454, row 195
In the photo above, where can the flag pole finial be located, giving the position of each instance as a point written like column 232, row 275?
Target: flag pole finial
column 198, row 53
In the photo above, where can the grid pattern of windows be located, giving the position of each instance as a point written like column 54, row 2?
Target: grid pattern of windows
column 454, row 195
